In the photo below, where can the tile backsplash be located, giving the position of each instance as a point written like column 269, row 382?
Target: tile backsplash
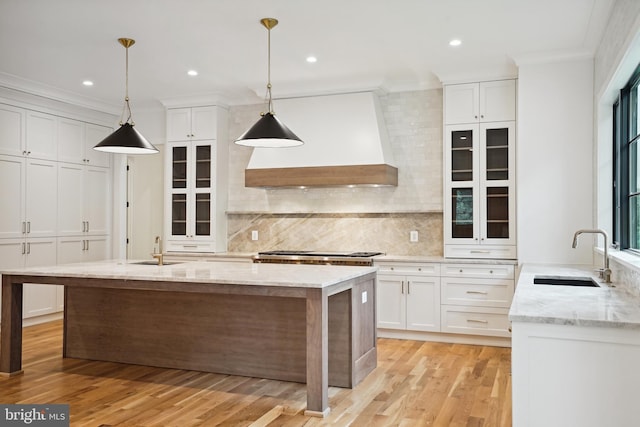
column 387, row 233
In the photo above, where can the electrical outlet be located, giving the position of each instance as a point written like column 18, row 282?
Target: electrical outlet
column 254, row 234
column 413, row 236
column 364, row 297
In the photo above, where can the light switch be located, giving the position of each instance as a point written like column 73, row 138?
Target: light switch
column 413, row 236
column 254, row 234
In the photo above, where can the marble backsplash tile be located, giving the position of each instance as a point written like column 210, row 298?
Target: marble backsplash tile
column 627, row 277
column 382, row 232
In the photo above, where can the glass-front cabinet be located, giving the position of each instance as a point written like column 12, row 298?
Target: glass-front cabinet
column 192, row 193
column 479, row 217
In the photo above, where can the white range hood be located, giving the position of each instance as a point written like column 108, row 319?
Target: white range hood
column 345, row 143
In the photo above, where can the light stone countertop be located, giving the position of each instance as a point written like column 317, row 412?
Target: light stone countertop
column 279, row 275
column 605, row 306
column 441, row 260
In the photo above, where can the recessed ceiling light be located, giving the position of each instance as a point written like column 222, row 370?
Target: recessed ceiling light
column 87, row 83
column 312, row 59
column 192, row 72
column 455, row 42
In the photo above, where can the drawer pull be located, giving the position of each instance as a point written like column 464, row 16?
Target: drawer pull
column 477, row 292
column 189, row 246
column 479, row 251
column 478, row 321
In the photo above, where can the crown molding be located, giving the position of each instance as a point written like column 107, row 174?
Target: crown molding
column 552, row 56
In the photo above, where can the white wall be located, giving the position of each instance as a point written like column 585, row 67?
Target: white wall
column 555, row 161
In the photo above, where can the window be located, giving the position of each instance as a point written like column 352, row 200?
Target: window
column 626, row 166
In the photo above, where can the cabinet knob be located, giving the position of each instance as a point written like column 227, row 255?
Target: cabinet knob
column 419, row 269
column 460, row 270
column 490, row 271
column 475, row 117
column 391, row 268
column 482, row 116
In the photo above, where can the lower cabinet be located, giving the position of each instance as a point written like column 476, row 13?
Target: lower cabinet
column 569, row 375
column 476, row 298
column 409, row 301
column 471, row 299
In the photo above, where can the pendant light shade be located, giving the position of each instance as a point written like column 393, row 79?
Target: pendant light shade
column 269, row 131
column 126, row 140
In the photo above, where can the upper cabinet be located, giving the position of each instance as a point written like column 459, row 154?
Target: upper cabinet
column 493, row 101
column 192, row 124
column 76, row 141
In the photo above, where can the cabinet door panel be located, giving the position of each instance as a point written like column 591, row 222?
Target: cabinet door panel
column 12, row 177
column 70, row 249
column 498, row 101
column 461, row 103
column 70, row 141
column 41, row 198
column 11, row 130
column 40, row 299
column 93, row 135
column 70, row 199
column 96, row 194
column 178, row 124
column 423, row 303
column 203, row 123
column 41, row 136
column 96, row 249
column 391, row 303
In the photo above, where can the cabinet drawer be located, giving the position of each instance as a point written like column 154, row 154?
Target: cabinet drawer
column 189, row 246
column 478, row 270
column 477, row 292
column 475, row 320
column 480, row 251
column 409, row 268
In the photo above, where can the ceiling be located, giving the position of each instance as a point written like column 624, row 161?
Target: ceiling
column 52, row 46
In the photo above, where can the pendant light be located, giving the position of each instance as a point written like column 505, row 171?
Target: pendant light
column 269, row 131
column 126, row 140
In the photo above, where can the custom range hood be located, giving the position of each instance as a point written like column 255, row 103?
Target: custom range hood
column 345, row 139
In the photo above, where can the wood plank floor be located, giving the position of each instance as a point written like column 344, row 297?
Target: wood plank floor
column 415, row 384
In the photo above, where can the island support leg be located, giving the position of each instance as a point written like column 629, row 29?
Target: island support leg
column 11, row 328
column 317, row 353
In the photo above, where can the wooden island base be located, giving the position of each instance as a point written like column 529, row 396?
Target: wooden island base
column 243, row 335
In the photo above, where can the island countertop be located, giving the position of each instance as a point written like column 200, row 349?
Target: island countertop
column 604, row 306
column 279, row 275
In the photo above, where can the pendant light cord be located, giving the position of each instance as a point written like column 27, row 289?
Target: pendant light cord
column 126, row 106
column 270, row 104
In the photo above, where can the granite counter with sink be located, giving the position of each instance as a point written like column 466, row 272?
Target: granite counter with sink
column 608, row 305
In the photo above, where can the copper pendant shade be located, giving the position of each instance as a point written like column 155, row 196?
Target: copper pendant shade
column 126, row 140
column 269, row 131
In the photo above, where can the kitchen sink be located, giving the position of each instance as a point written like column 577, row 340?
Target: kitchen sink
column 565, row 281
column 154, row 263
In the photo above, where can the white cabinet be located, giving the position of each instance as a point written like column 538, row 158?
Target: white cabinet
column 195, row 123
column 83, row 200
column 17, row 253
column 408, row 297
column 196, row 180
column 41, row 136
column 76, row 140
column 479, row 190
column 28, row 195
column 565, row 375
column 82, row 249
column 12, row 130
column 493, row 101
column 476, row 298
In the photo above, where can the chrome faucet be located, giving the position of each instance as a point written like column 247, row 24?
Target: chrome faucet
column 157, row 251
column 605, row 272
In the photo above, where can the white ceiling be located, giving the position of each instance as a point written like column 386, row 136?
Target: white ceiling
column 53, row 45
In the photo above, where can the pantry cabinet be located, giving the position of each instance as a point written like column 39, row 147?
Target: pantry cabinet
column 408, row 297
column 479, row 188
column 76, row 140
column 196, row 166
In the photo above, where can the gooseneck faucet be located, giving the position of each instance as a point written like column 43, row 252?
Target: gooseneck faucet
column 605, row 272
column 157, row 251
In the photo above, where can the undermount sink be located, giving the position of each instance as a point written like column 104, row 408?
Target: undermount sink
column 565, row 281
column 154, row 263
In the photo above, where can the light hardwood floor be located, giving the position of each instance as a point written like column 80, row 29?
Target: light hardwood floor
column 415, row 384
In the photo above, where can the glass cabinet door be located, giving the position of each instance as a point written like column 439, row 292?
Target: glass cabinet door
column 497, row 203
column 462, row 213
column 462, row 155
column 497, row 154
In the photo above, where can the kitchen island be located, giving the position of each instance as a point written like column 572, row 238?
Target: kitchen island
column 303, row 323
